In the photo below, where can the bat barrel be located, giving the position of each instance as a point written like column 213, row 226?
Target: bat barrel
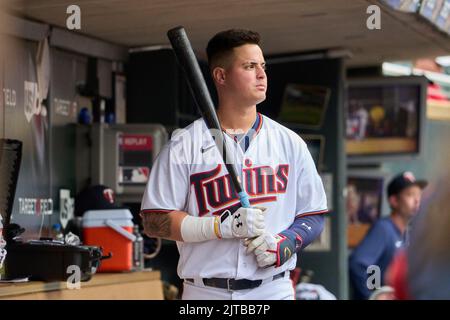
column 186, row 57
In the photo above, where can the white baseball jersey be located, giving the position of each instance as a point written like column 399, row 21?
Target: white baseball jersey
column 276, row 171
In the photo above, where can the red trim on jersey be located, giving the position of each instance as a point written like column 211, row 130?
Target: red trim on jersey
column 312, row 213
column 259, row 125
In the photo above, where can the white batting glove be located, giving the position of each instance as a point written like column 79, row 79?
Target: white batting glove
column 243, row 223
column 264, row 247
column 272, row 250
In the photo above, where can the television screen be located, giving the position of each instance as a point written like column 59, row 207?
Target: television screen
column 384, row 116
column 135, row 158
column 304, row 105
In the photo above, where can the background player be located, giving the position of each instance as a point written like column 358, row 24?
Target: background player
column 227, row 252
column 386, row 236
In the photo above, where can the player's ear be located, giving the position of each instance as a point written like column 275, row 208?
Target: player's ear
column 393, row 201
column 218, row 75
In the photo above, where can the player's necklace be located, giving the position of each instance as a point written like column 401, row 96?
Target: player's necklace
column 237, row 138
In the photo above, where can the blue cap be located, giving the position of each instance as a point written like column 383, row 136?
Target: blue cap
column 402, row 181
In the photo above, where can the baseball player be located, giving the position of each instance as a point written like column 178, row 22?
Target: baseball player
column 388, row 234
column 226, row 251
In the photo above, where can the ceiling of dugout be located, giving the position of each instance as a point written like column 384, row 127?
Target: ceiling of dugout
column 286, row 26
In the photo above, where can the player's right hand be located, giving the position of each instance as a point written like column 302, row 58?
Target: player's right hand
column 244, row 223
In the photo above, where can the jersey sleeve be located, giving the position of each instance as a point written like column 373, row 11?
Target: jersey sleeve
column 168, row 185
column 311, row 198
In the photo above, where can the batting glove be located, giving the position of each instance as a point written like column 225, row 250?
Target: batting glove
column 243, row 223
column 274, row 250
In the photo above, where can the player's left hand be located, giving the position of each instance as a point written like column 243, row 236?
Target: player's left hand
column 271, row 250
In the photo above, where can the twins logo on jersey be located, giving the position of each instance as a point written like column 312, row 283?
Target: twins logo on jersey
column 262, row 184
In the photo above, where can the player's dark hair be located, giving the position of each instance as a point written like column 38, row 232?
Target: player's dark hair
column 223, row 43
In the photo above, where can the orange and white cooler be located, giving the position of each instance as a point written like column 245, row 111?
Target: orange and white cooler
column 113, row 231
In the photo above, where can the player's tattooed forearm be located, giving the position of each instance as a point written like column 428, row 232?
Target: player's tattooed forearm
column 157, row 225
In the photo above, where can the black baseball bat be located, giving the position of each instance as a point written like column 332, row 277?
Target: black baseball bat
column 188, row 61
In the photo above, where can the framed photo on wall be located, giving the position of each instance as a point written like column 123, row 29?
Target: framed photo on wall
column 364, row 204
